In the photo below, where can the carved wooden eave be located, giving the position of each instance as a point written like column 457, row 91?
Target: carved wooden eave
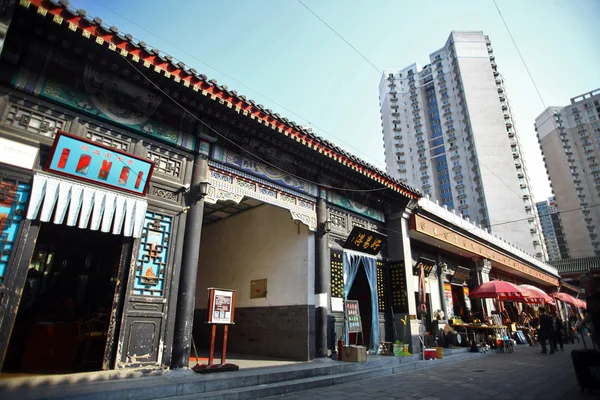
column 195, row 90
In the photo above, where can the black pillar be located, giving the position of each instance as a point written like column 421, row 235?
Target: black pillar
column 322, row 278
column 440, row 276
column 184, row 320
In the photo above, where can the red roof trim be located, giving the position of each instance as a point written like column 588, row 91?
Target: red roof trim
column 149, row 59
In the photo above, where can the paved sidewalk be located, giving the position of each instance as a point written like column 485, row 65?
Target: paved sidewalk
column 523, row 375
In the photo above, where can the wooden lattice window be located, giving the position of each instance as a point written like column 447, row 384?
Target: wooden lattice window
column 34, row 121
column 153, row 255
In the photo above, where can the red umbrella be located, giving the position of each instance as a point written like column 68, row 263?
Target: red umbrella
column 500, row 290
column 537, row 295
column 566, row 298
column 581, row 304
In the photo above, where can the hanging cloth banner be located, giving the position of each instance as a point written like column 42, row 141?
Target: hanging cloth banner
column 77, row 204
column 351, row 263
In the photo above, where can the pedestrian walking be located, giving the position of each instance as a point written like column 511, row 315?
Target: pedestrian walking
column 545, row 330
column 557, row 331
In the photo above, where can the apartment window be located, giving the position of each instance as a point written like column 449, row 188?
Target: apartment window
column 463, row 201
column 449, row 118
column 459, row 182
column 461, row 191
column 423, row 173
column 423, row 163
column 425, row 181
column 456, row 163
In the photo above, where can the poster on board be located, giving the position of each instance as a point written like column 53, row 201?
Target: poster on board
column 449, row 301
column 221, row 305
column 353, row 316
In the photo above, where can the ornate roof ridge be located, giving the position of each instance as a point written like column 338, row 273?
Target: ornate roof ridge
column 164, row 64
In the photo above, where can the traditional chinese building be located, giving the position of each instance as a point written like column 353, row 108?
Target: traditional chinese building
column 130, row 184
column 462, row 256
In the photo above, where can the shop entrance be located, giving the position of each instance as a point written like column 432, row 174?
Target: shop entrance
column 361, row 291
column 63, row 317
column 459, row 303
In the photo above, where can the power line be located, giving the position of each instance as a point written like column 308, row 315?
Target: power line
column 341, row 37
column 239, row 146
column 238, row 82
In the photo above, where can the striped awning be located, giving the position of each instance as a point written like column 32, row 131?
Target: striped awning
column 77, row 204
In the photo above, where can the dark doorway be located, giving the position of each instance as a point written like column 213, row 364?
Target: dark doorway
column 361, row 291
column 460, row 305
column 63, row 317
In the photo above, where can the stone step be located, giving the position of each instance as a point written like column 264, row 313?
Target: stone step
column 290, row 386
column 186, row 383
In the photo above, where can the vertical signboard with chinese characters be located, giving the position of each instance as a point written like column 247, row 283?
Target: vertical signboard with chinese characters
column 221, row 305
column 399, row 294
column 92, row 162
column 364, row 241
column 353, row 316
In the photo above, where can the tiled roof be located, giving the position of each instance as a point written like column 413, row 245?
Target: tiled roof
column 571, row 265
column 158, row 62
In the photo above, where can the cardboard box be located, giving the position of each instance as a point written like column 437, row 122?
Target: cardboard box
column 354, row 353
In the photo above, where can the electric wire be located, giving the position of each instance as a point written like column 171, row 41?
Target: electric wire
column 308, row 121
column 341, row 37
column 239, row 146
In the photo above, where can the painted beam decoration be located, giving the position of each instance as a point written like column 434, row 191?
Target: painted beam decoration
column 439, row 232
column 364, row 241
column 85, row 160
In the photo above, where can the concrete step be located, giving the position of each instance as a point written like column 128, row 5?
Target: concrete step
column 250, row 382
column 290, row 386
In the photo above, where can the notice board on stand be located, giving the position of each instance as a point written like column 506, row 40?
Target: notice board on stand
column 353, row 316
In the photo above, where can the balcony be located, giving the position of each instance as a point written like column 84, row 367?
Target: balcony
column 525, row 197
column 515, row 155
column 394, row 106
column 461, row 186
column 401, row 161
column 481, row 199
column 496, row 73
column 398, row 137
column 527, row 207
column 393, row 92
column 396, row 121
column 509, row 124
column 401, row 169
column 399, row 145
column 397, row 129
column 454, row 147
column 457, row 177
column 395, row 114
column 423, row 168
column 455, row 157
column 456, row 168
column 394, row 99
column 523, row 185
column 463, row 207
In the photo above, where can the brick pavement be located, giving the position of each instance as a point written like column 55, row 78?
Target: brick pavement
column 523, row 375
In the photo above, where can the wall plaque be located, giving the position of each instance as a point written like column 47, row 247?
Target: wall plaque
column 258, row 289
column 88, row 161
column 364, row 241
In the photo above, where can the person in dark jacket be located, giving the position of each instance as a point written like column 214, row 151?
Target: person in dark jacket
column 557, row 329
column 545, row 331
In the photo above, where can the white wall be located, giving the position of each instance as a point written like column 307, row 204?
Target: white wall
column 260, row 243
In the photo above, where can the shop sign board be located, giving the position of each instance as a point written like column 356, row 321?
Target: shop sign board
column 364, row 241
column 467, row 298
column 353, row 316
column 221, row 306
column 460, row 276
column 92, row 162
column 17, row 154
column 425, row 263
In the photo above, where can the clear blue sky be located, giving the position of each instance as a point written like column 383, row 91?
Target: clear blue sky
column 279, row 54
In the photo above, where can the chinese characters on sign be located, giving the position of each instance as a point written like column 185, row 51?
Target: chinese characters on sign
column 92, row 162
column 467, row 298
column 425, row 263
column 364, row 241
column 353, row 316
column 439, row 232
column 221, row 303
column 460, row 276
column 399, row 295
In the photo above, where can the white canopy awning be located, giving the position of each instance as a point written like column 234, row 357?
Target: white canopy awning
column 85, row 206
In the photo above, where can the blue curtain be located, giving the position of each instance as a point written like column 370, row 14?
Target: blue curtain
column 351, row 263
column 371, row 270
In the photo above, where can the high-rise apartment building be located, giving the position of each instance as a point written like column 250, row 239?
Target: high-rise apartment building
column 552, row 229
column 448, row 129
column 570, row 140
